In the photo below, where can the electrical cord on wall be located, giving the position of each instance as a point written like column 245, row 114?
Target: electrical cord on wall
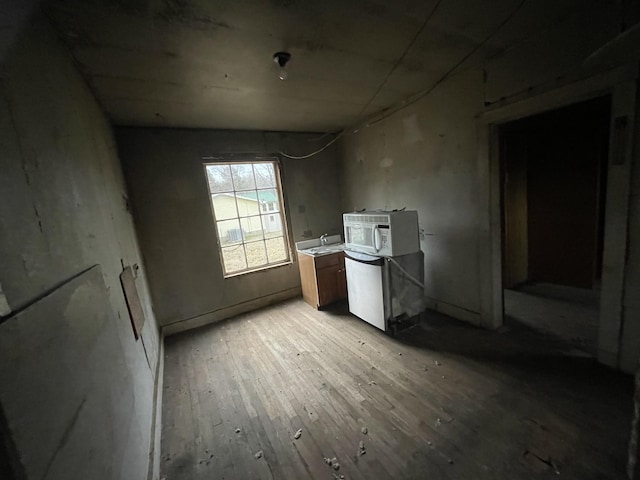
column 408, row 275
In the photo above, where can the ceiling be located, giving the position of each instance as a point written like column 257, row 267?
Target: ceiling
column 208, row 64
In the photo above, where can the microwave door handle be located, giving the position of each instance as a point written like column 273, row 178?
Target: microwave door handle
column 376, row 235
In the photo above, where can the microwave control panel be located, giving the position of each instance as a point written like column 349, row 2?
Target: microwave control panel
column 385, row 238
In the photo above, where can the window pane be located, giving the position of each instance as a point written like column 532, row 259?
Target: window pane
column 252, row 228
column 265, row 175
column 219, row 177
column 245, row 198
column 247, row 203
column 233, row 258
column 276, row 251
column 270, row 199
column 256, row 254
column 229, row 232
column 243, row 176
column 224, row 206
column 272, row 225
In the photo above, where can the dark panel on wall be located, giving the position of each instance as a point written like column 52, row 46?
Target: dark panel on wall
column 514, row 209
column 566, row 150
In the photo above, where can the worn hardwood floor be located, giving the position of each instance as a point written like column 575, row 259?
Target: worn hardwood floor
column 443, row 400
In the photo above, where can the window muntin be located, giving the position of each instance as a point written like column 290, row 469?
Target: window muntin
column 246, row 199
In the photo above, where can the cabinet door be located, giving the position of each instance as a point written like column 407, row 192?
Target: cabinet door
column 328, row 285
column 342, row 280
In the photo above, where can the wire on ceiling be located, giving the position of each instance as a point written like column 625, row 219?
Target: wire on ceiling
column 302, row 157
column 418, row 96
column 448, row 73
column 401, row 58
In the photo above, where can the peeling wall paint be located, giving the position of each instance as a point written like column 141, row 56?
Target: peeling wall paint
column 412, row 132
column 88, row 388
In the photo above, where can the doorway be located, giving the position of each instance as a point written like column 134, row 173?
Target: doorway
column 553, row 169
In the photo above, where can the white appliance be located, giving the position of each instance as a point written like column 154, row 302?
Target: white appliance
column 365, row 284
column 384, row 290
column 382, row 233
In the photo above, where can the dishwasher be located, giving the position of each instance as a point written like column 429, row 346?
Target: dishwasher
column 384, row 291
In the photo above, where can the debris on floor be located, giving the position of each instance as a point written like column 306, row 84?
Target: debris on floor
column 439, row 421
column 372, row 383
column 364, row 430
column 258, row 455
column 298, row 434
column 238, row 430
column 361, row 449
column 437, row 363
column 332, row 462
column 539, row 463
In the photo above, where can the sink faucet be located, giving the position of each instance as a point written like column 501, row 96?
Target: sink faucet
column 323, row 239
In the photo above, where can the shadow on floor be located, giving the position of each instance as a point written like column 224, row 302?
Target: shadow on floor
column 570, row 314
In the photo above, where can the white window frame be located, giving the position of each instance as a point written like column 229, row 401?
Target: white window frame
column 283, row 217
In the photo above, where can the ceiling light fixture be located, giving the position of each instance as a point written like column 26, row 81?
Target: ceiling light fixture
column 281, row 58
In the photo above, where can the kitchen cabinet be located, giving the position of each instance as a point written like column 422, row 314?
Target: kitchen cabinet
column 323, row 278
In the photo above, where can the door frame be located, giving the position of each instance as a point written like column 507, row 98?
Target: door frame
column 621, row 85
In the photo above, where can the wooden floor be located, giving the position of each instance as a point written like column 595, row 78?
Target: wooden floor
column 443, row 400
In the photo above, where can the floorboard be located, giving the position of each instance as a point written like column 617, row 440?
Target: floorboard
column 442, row 400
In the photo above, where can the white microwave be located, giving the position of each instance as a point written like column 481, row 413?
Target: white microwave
column 386, row 234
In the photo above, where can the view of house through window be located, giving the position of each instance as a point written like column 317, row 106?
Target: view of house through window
column 247, row 208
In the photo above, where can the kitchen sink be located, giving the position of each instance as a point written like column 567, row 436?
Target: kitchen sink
column 324, row 249
column 323, row 245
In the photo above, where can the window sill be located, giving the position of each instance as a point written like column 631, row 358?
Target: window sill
column 258, row 269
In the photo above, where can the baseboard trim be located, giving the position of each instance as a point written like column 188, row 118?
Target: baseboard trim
column 230, row 311
column 454, row 311
column 156, row 428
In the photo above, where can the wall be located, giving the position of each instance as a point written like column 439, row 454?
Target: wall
column 422, row 159
column 630, row 334
column 77, row 390
column 432, row 155
column 164, row 170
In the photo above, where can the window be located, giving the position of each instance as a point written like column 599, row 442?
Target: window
column 240, row 192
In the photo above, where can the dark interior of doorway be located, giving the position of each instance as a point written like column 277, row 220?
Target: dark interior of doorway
column 553, row 172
